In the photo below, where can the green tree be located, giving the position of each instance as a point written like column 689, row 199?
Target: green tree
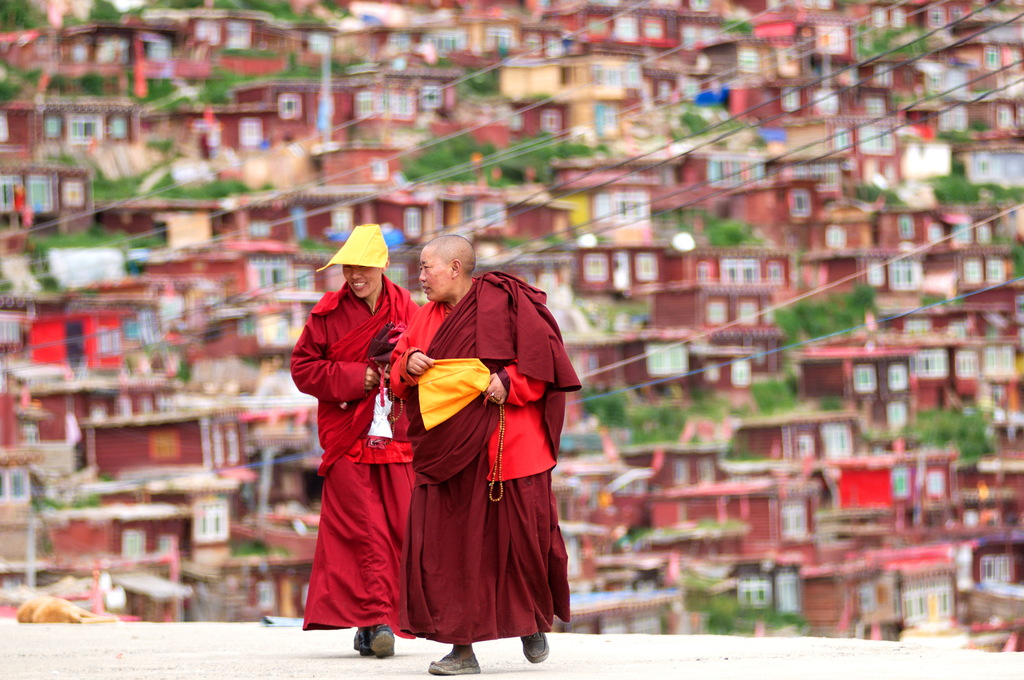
column 968, row 431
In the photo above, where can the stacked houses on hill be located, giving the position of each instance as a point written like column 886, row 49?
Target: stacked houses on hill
column 782, row 240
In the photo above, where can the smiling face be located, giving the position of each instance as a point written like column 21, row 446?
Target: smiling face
column 365, row 283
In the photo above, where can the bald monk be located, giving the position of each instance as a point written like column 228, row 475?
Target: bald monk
column 366, row 464
column 483, row 557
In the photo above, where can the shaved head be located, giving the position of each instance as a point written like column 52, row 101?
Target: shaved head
column 451, row 247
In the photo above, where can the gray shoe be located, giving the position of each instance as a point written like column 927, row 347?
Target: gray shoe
column 382, row 641
column 451, row 665
column 535, row 647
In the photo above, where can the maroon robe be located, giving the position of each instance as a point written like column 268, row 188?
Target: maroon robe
column 365, row 501
column 473, row 569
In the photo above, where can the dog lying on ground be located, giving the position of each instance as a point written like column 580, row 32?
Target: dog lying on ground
column 48, row 609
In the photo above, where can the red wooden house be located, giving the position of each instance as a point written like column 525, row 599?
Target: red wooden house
column 52, row 198
column 874, row 381
column 805, row 441
column 778, row 512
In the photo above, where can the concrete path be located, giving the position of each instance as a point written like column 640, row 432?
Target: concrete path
column 233, row 651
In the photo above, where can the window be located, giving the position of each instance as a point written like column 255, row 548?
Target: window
column 748, row 312
column 250, row 133
column 836, row 440
column 826, row 101
column 412, row 222
column 704, row 274
column 936, row 16
column 741, row 270
column 927, row 598
column 805, row 445
column 109, row 341
column 754, row 591
column 835, row 236
column 896, row 414
column 874, row 106
column 259, row 229
column 133, row 543
column 210, row 521
column 364, row 103
column 917, row 326
column 864, row 378
column 85, row 129
column 73, row 191
column 879, row 17
column 700, row 5
column 378, row 170
column 118, row 127
column 551, row 121
column 40, row 193
column 883, row 77
column 646, row 267
column 794, row 520
column 931, row 363
column 991, row 57
column 595, row 267
column 875, row 140
column 900, row 482
column 318, row 43
column 841, row 139
column 904, row 275
column 717, row 313
column 666, row 359
column 431, row 97
column 775, row 272
column 799, row 203
column 654, row 29
column 897, row 17
column 1004, row 117
column 305, row 279
column 905, row 226
column 995, row 569
column 966, row 364
column 14, row 485
column 898, row 377
column 208, row 32
column 999, row 361
column 515, row 122
column 876, row 275
column 995, row 270
column 706, row 470
column 52, row 126
column 626, row 29
column 790, row 98
column 972, row 270
column 747, row 60
column 239, row 35
column 341, row 220
column 4, row 132
column 935, row 484
column 741, row 373
column 289, row 106
column 983, row 233
column 270, row 271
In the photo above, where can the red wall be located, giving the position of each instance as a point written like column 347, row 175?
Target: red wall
column 865, row 489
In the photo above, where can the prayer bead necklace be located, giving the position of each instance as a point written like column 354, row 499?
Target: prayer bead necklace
column 393, row 417
column 496, row 472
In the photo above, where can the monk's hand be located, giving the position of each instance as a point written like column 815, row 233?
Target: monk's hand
column 418, row 363
column 496, row 391
column 371, row 379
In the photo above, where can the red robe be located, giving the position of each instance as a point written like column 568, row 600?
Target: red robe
column 366, row 490
column 473, row 569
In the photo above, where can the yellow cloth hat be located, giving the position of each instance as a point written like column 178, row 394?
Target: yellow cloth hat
column 447, row 386
column 365, row 247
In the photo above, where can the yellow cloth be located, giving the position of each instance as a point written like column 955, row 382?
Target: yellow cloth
column 365, row 247
column 448, row 386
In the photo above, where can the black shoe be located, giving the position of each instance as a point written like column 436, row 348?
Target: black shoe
column 535, row 647
column 362, row 642
column 382, row 641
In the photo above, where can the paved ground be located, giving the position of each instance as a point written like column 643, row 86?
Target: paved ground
column 144, row 651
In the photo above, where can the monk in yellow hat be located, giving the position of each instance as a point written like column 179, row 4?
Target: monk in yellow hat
column 483, row 556
column 366, row 464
